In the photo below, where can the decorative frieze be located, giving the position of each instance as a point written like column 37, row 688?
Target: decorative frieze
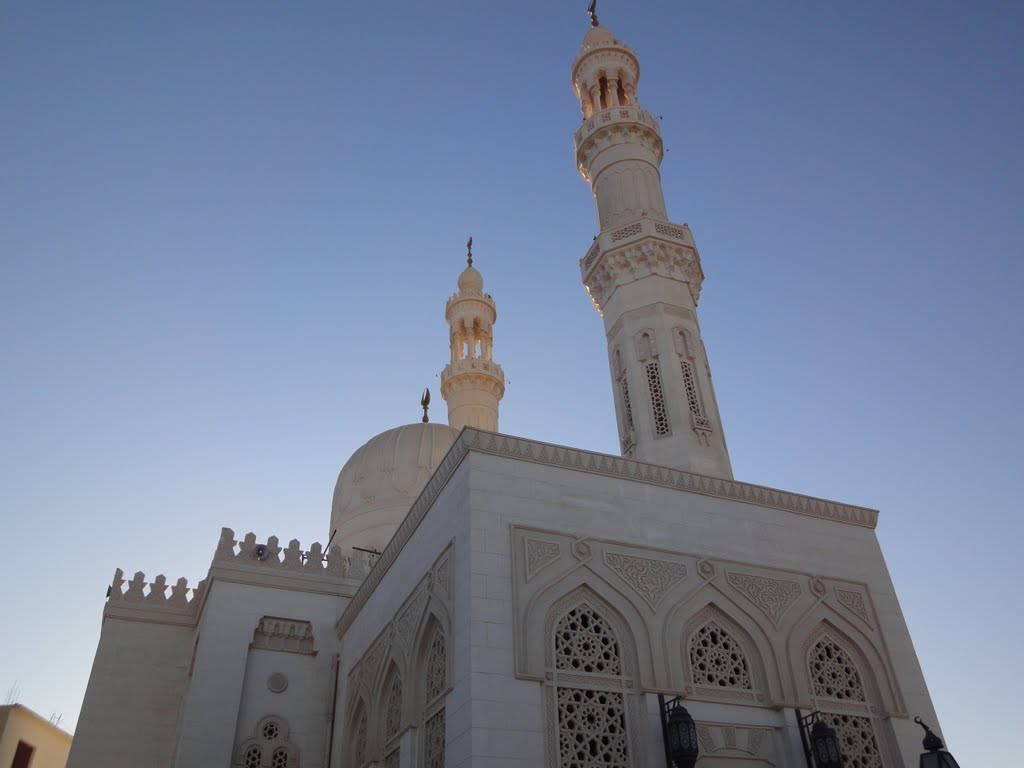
column 279, row 634
column 600, row 464
column 733, row 739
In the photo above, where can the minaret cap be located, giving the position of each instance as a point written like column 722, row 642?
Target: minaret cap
column 470, row 281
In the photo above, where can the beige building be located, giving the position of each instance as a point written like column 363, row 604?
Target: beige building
column 28, row 740
column 489, row 600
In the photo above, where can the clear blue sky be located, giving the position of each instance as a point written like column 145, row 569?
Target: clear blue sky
column 228, row 230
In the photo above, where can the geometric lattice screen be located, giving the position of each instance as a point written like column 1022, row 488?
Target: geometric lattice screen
column 591, row 719
column 834, row 676
column 716, row 659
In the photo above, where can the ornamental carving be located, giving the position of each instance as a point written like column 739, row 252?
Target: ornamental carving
column 278, row 634
column 853, row 601
column 773, row 596
column 441, row 575
column 651, row 579
column 539, row 554
column 410, row 618
column 640, row 259
column 371, row 662
column 706, row 740
column 706, row 569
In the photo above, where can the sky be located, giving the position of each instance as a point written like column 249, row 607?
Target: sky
column 228, row 231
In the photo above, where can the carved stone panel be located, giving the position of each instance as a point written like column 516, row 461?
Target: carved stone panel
column 651, row 579
column 853, row 601
column 539, row 553
column 410, row 617
column 773, row 596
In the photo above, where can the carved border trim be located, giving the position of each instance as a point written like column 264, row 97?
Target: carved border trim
column 497, row 444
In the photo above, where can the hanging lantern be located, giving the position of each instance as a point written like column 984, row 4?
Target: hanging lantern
column 680, row 735
column 825, row 746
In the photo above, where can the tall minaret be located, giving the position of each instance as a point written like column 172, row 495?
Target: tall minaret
column 472, row 383
column 643, row 272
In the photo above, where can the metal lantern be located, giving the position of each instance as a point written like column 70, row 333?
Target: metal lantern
column 935, row 756
column 825, row 746
column 680, row 732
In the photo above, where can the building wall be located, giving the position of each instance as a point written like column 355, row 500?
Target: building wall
column 229, row 693
column 51, row 744
column 426, row 583
column 131, row 706
column 586, row 514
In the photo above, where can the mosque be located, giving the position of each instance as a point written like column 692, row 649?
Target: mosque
column 488, row 600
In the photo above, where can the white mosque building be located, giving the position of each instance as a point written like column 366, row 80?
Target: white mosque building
column 490, row 600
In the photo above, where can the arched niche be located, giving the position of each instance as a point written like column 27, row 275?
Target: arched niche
column 753, row 643
column 875, row 671
column 533, row 634
column 435, row 622
column 359, row 734
column 762, row 651
column 392, row 715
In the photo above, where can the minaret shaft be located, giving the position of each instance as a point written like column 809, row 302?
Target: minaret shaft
column 643, row 273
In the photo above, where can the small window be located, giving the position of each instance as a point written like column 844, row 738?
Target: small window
column 22, row 755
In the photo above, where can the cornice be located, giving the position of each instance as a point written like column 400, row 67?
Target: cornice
column 536, row 452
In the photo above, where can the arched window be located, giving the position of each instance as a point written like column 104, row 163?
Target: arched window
column 840, row 696
column 269, row 746
column 627, row 432
column 717, row 659
column 360, row 738
column 435, row 686
column 589, row 694
column 392, row 720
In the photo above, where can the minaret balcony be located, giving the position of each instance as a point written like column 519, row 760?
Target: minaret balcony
column 616, row 125
column 613, row 116
column 472, row 365
column 639, row 248
column 631, row 232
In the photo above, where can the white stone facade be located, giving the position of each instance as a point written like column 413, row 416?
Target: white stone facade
column 492, row 601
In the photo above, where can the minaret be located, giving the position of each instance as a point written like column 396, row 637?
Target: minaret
column 472, row 383
column 643, row 272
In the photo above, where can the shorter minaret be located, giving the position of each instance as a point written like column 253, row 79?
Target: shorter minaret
column 472, row 383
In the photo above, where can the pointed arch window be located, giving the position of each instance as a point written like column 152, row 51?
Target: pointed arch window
column 717, row 659
column 840, row 696
column 360, row 740
column 392, row 720
column 435, row 685
column 588, row 701
column 627, row 432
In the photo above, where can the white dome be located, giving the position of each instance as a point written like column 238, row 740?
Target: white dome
column 471, row 281
column 379, row 483
column 599, row 36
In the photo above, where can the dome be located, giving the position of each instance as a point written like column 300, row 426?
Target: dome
column 379, row 483
column 471, row 280
column 598, row 36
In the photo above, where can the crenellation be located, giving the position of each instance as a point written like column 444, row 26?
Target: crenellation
column 250, row 552
column 150, row 595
